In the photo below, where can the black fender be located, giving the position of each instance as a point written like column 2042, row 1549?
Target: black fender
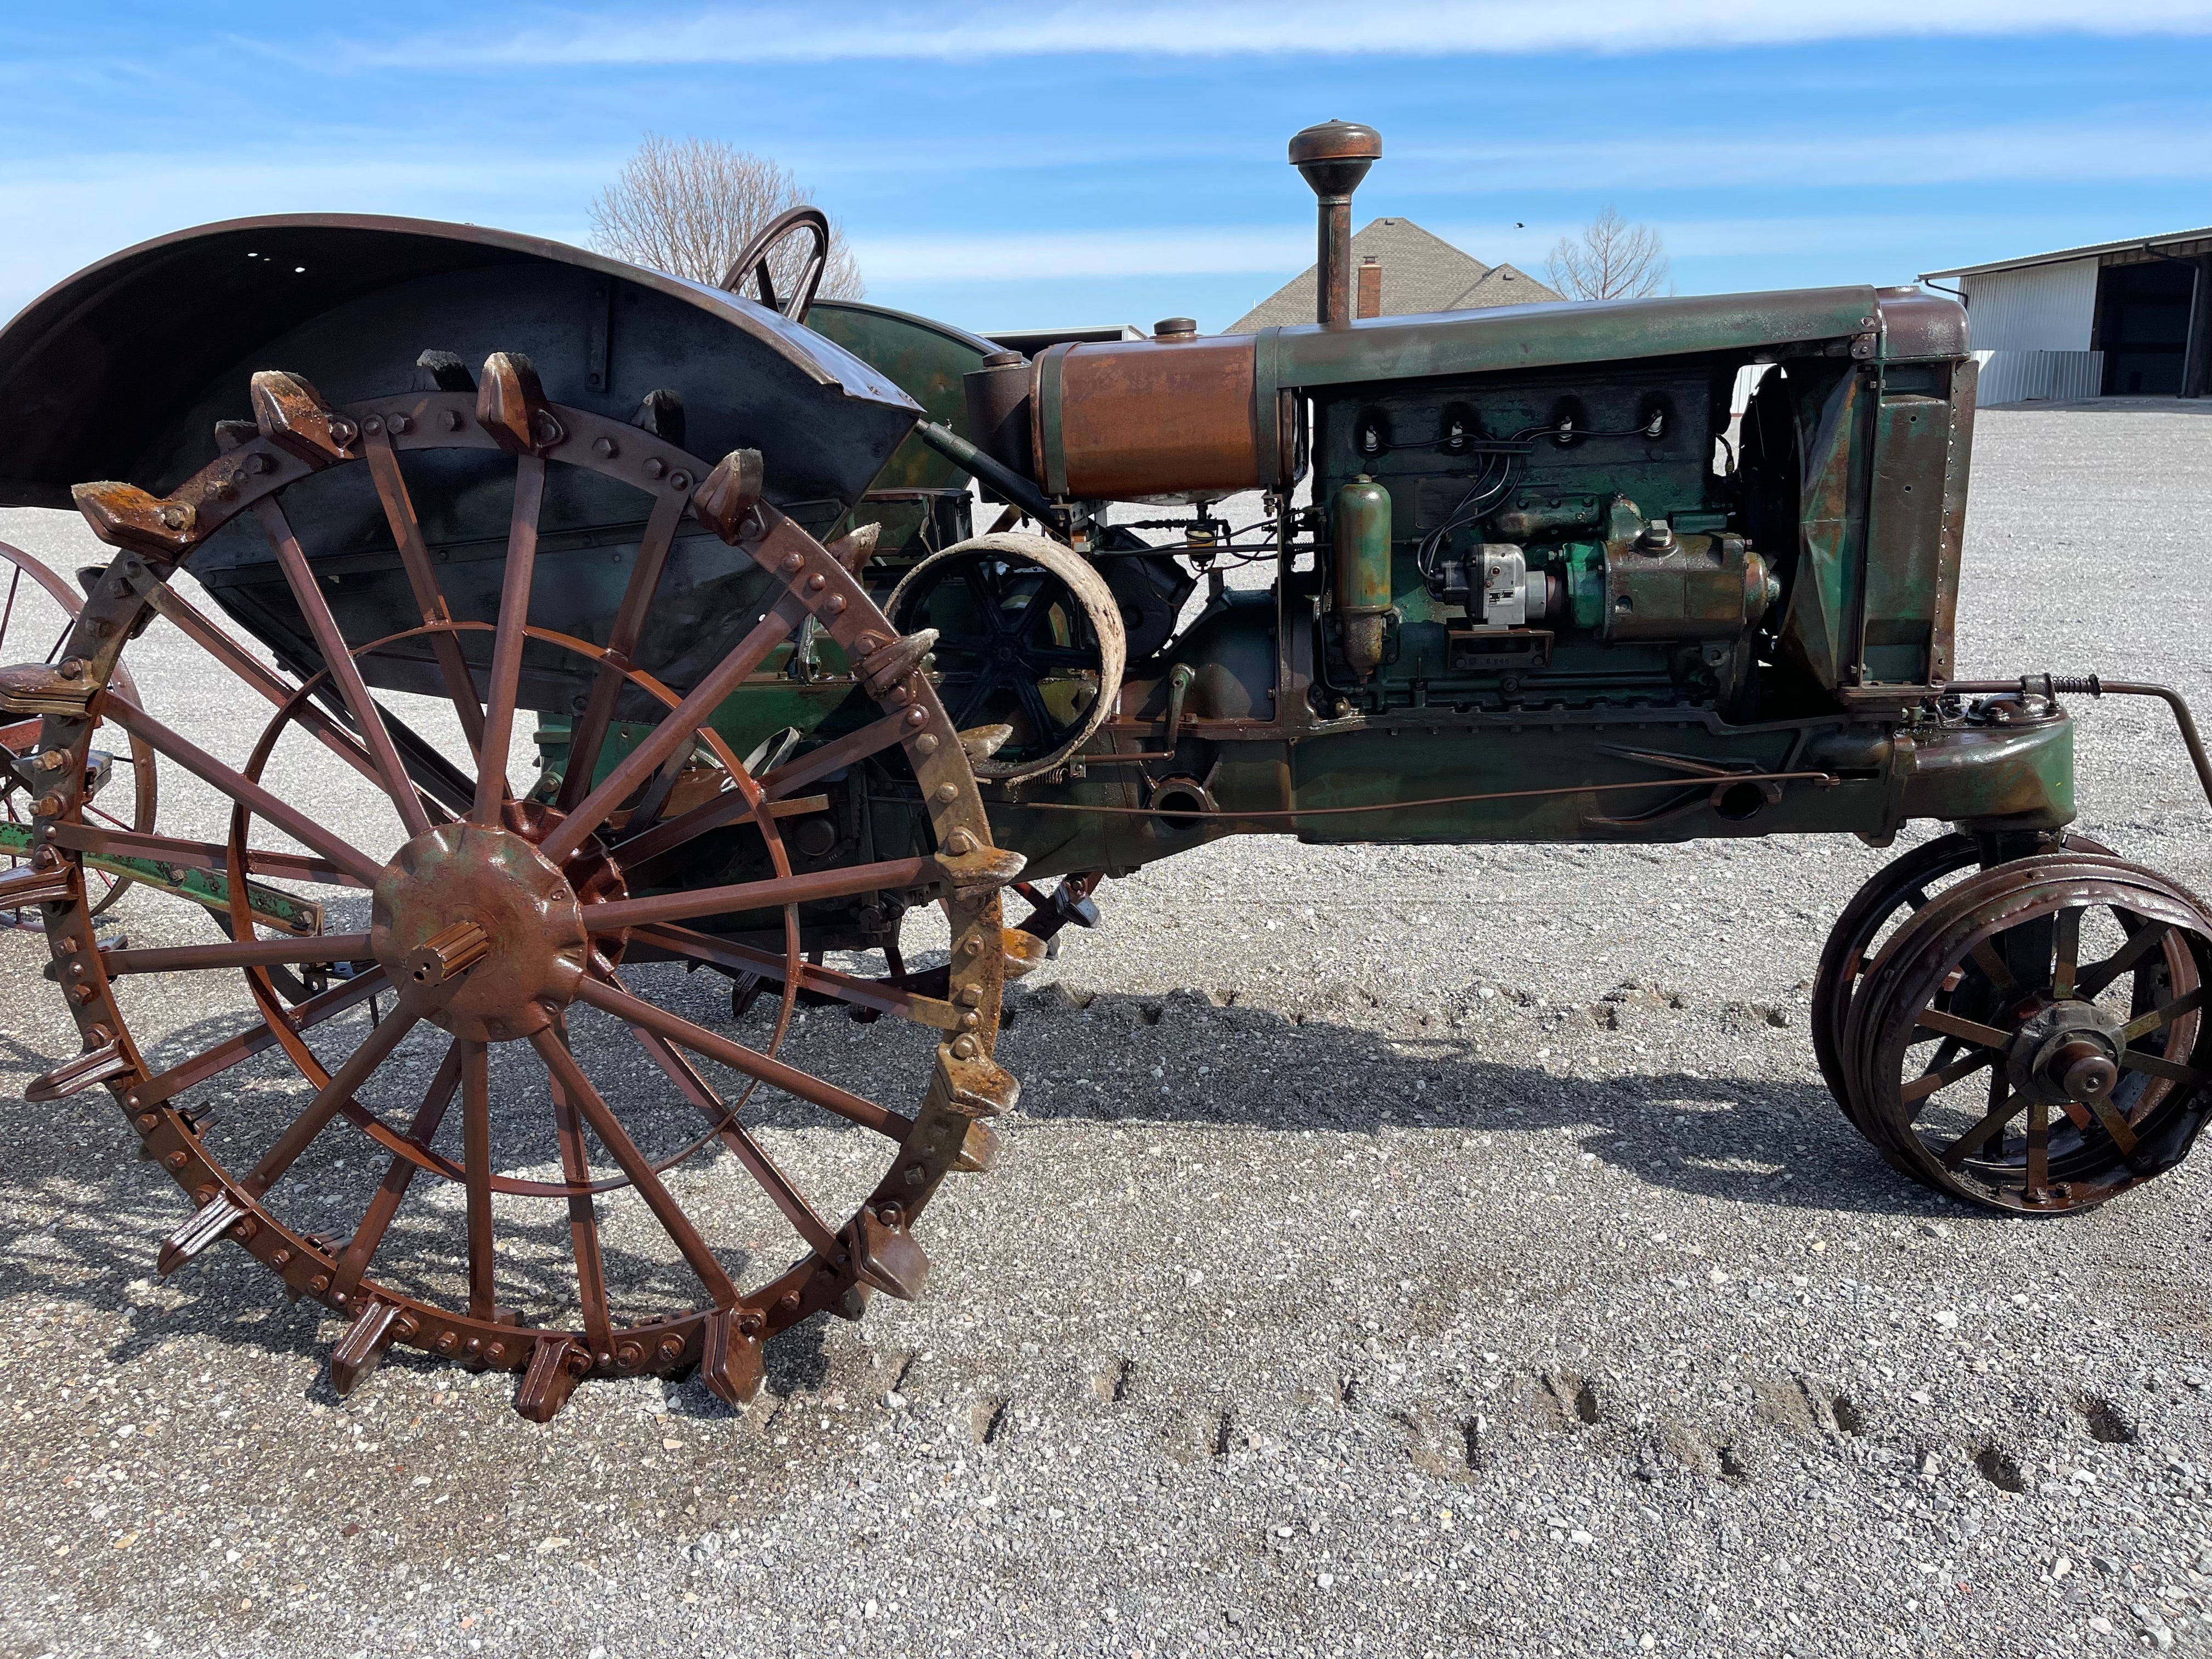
column 122, row 370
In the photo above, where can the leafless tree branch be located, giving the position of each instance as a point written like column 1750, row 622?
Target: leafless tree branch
column 1612, row 260
column 688, row 206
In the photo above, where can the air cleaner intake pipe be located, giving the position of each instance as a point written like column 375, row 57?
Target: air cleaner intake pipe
column 1334, row 157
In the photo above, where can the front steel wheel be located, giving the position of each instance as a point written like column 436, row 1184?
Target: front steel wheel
column 2034, row 1040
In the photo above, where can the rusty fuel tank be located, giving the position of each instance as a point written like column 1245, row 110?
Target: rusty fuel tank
column 1177, row 417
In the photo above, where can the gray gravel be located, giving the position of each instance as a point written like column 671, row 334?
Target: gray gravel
column 1401, row 1251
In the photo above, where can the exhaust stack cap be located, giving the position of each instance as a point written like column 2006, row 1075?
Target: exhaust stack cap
column 1335, row 156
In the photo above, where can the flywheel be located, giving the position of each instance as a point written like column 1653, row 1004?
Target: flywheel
column 1028, row 637
column 504, row 1130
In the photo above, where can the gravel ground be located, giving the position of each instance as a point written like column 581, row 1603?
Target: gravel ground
column 1400, row 1251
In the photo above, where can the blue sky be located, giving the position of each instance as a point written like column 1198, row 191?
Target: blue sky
column 1025, row 166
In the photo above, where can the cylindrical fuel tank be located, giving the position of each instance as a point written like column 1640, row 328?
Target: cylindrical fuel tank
column 1359, row 560
column 1150, row 420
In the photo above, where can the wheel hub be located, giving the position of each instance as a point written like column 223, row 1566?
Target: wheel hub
column 532, row 923
column 2066, row 1051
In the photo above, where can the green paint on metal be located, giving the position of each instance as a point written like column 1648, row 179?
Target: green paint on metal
column 272, row 907
column 926, row 360
column 1549, row 336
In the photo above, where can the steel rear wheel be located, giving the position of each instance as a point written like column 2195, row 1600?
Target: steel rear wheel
column 2034, row 1040
column 566, row 1174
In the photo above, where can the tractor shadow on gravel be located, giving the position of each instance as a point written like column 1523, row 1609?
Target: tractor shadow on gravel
column 1336, row 1061
column 1188, row 1057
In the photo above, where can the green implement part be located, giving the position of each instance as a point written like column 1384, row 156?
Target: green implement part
column 271, row 908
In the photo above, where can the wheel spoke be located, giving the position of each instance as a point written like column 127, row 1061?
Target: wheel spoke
column 2123, row 1135
column 1927, row 1084
column 212, row 772
column 835, row 756
column 884, row 998
column 977, row 700
column 1037, row 617
column 333, row 1096
column 570, row 1079
column 428, row 765
column 2159, row 1018
column 229, row 1052
column 509, row 639
column 239, row 953
column 583, row 1220
column 1050, row 732
column 2091, row 981
column 1992, row 963
column 739, row 1058
column 384, row 1204
column 1966, row 1030
column 771, row 1179
column 2066, row 941
column 729, row 807
column 591, row 729
column 645, row 814
column 2003, row 1107
column 2038, row 1148
column 770, row 895
column 313, row 718
column 476, row 1158
column 678, row 728
column 339, row 664
column 2158, row 1066
column 121, row 843
column 1060, row 656
column 422, row 578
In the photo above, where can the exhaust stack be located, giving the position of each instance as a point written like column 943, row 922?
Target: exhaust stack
column 1333, row 157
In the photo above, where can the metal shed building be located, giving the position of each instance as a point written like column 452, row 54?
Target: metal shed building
column 2119, row 319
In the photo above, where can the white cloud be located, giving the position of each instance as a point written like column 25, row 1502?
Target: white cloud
column 2052, row 152
column 1136, row 252
column 1424, row 28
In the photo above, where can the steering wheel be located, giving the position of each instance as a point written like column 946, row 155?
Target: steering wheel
column 753, row 261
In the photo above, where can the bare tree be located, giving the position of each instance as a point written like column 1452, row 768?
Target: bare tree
column 1612, row 259
column 688, row 206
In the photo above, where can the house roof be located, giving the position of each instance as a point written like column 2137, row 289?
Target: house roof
column 1421, row 272
column 1504, row 285
column 2131, row 244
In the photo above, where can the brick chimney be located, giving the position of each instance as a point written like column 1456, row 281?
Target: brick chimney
column 1370, row 303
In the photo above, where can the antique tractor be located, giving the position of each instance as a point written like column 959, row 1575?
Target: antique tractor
column 1535, row 578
